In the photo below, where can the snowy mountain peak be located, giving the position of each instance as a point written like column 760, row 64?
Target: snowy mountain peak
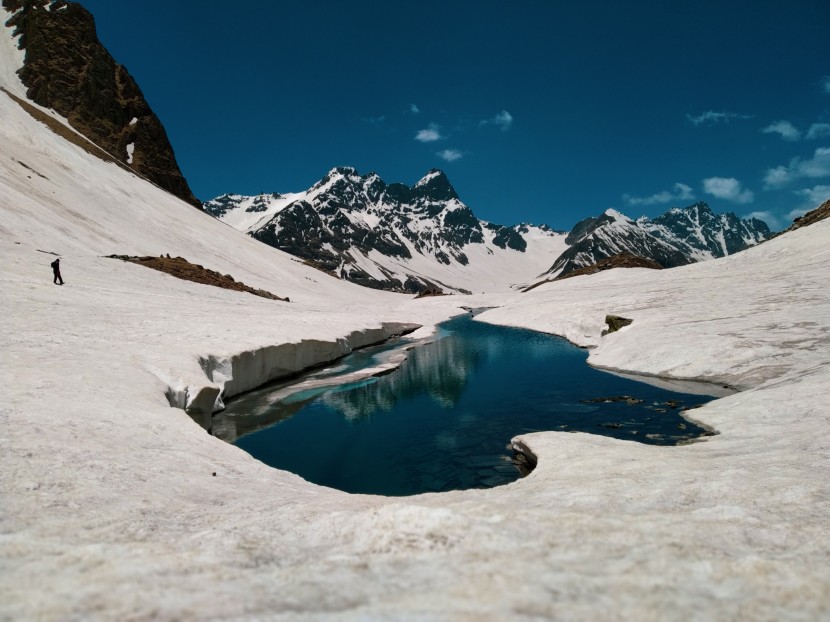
column 678, row 237
column 432, row 174
column 615, row 215
column 436, row 185
column 392, row 236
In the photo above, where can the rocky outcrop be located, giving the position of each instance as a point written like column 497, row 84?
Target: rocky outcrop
column 67, row 69
column 181, row 268
column 615, row 323
column 622, row 260
column 811, row 217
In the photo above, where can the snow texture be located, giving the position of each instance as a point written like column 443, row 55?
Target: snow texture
column 117, row 506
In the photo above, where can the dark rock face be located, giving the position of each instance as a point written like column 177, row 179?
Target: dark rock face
column 616, row 322
column 67, row 69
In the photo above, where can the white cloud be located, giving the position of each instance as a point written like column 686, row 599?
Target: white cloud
column 825, row 84
column 710, row 117
column 450, row 155
column 768, row 217
column 680, row 192
column 797, row 213
column 786, row 129
column 813, row 168
column 777, row 177
column 818, row 130
column 814, row 196
column 414, row 109
column 503, row 120
column 727, row 188
column 430, row 134
column 817, row 166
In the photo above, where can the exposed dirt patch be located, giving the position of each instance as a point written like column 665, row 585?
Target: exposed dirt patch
column 623, row 260
column 64, row 132
column 431, row 290
column 181, row 268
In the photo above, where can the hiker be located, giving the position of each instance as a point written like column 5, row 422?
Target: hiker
column 56, row 270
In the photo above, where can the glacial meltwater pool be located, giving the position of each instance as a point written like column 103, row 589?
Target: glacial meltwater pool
column 444, row 419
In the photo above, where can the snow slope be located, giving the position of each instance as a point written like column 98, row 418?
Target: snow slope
column 116, row 506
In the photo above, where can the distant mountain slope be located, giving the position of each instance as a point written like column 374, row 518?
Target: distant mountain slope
column 678, row 237
column 67, row 69
column 393, row 236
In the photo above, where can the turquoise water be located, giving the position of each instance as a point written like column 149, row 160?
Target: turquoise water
column 444, row 419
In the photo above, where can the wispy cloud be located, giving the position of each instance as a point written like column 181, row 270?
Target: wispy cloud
column 786, row 129
column 680, row 192
column 728, row 189
column 503, row 120
column 825, row 84
column 814, row 196
column 375, row 120
column 414, row 109
column 450, row 155
column 798, row 168
column 818, row 130
column 429, row 134
column 710, row 117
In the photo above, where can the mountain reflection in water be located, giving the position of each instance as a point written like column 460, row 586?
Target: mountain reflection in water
column 444, row 419
column 439, row 369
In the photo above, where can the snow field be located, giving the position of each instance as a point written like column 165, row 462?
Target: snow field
column 117, row 506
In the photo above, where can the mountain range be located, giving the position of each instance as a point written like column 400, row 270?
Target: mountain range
column 424, row 238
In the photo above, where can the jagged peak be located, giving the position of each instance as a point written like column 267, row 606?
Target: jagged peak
column 616, row 215
column 433, row 174
column 342, row 171
column 436, row 186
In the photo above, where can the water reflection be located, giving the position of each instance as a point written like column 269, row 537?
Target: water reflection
column 443, row 420
column 439, row 369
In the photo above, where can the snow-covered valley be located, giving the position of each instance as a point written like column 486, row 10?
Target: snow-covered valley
column 117, row 506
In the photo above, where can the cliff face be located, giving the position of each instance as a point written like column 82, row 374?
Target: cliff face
column 67, row 69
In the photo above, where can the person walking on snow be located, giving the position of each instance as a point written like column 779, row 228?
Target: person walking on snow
column 56, row 270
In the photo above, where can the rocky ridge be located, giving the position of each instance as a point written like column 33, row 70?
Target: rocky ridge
column 350, row 224
column 680, row 236
column 67, row 69
column 359, row 228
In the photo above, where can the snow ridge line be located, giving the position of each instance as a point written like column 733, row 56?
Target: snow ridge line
column 230, row 375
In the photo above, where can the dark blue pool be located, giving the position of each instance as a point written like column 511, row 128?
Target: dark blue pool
column 444, row 419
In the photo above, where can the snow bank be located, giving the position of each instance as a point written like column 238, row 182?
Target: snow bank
column 232, row 375
column 116, row 506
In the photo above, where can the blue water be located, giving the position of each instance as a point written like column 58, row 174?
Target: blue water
column 444, row 419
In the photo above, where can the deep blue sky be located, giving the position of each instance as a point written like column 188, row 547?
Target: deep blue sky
column 553, row 111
